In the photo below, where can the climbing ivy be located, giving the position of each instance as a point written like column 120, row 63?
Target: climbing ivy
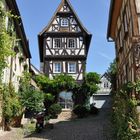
column 31, row 99
column 6, row 41
column 124, row 113
column 11, row 106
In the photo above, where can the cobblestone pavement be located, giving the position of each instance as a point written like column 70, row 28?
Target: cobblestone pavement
column 91, row 128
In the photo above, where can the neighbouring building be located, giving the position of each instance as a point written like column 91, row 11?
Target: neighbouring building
column 20, row 62
column 104, row 86
column 102, row 99
column 34, row 72
column 124, row 30
column 64, row 45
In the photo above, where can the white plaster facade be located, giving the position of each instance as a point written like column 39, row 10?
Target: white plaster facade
column 20, row 61
column 104, row 86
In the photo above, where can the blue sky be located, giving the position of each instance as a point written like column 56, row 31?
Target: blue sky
column 93, row 14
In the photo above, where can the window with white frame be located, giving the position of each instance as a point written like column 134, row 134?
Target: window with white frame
column 64, row 22
column 71, row 43
column 57, row 67
column 57, row 43
column 72, row 67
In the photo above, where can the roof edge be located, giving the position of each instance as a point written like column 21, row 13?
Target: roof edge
column 110, row 17
column 46, row 27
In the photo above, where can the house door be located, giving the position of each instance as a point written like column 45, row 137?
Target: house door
column 65, row 100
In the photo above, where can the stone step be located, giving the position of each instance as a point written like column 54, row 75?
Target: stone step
column 66, row 114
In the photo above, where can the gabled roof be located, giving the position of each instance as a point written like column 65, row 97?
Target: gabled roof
column 34, row 70
column 71, row 8
column 106, row 76
column 88, row 35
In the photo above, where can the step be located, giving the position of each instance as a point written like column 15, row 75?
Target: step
column 66, row 114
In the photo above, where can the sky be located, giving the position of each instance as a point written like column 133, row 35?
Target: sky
column 93, row 14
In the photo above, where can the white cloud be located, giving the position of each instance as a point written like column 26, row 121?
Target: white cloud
column 105, row 56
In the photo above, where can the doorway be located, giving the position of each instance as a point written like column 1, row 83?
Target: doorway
column 65, row 100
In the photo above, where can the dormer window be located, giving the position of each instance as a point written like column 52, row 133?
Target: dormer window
column 64, row 22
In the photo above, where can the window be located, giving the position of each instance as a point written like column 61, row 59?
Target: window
column 106, row 85
column 64, row 22
column 57, row 67
column 71, row 43
column 57, row 43
column 71, row 67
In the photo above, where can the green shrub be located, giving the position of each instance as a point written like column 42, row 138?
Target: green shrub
column 124, row 114
column 54, row 110
column 81, row 111
column 49, row 97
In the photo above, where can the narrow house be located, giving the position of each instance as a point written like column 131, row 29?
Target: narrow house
column 64, row 45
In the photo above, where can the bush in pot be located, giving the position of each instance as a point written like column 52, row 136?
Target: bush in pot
column 81, row 111
column 54, row 110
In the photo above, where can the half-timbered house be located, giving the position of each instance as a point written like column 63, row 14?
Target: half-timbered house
column 64, row 44
column 124, row 30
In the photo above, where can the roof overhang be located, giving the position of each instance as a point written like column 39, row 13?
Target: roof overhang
column 45, row 31
column 114, row 12
column 19, row 26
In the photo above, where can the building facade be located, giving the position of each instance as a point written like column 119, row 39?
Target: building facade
column 104, row 86
column 64, row 44
column 20, row 61
column 34, row 72
column 124, row 30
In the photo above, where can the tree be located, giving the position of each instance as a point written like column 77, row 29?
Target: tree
column 52, row 87
column 112, row 73
column 55, row 86
column 82, row 93
column 92, row 81
column 11, row 105
column 30, row 99
column 45, row 84
column 64, row 82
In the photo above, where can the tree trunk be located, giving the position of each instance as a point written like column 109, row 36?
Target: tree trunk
column 16, row 121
